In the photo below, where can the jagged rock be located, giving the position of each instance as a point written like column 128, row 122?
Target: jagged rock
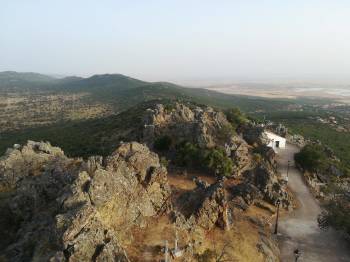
column 205, row 127
column 269, row 155
column 254, row 135
column 30, row 160
column 68, row 209
column 248, row 192
column 267, row 182
column 238, row 150
column 207, row 206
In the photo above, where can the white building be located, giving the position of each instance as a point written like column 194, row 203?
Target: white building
column 275, row 141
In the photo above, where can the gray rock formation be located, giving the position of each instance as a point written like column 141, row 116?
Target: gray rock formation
column 254, row 135
column 262, row 183
column 62, row 208
column 206, row 206
column 204, row 127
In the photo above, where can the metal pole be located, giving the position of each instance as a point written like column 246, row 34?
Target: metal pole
column 166, row 251
column 276, row 224
column 297, row 254
column 288, row 168
column 176, row 242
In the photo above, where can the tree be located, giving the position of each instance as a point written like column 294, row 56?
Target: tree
column 236, row 117
column 311, row 158
column 337, row 210
column 218, row 163
column 188, row 154
column 162, row 143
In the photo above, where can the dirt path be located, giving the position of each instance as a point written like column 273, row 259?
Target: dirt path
column 299, row 229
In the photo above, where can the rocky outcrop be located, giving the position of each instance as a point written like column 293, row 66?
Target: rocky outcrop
column 70, row 209
column 30, row 160
column 262, row 183
column 254, row 135
column 238, row 150
column 204, row 127
column 207, row 206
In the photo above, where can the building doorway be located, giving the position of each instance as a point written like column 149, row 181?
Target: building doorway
column 277, row 144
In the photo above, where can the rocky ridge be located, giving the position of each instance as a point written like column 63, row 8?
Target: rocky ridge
column 70, row 209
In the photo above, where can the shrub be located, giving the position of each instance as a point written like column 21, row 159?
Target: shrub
column 211, row 160
column 187, row 154
column 217, row 162
column 337, row 210
column 311, row 158
column 164, row 162
column 235, row 117
column 162, row 143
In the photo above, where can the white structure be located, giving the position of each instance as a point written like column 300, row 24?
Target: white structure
column 275, row 141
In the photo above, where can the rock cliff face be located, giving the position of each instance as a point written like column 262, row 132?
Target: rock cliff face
column 59, row 208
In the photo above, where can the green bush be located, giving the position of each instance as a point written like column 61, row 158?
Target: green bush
column 212, row 160
column 162, row 143
column 188, row 154
column 218, row 163
column 235, row 117
column 337, row 210
column 311, row 158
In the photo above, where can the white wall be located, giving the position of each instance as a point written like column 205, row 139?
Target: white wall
column 273, row 138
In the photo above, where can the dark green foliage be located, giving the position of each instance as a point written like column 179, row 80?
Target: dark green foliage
column 338, row 142
column 213, row 160
column 162, row 143
column 217, row 162
column 84, row 138
column 225, row 132
column 188, row 154
column 311, row 158
column 235, row 117
column 337, row 210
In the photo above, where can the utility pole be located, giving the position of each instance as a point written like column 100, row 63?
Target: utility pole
column 297, row 254
column 166, row 251
column 278, row 209
column 176, row 242
column 288, row 168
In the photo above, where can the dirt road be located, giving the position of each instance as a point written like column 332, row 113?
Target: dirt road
column 300, row 229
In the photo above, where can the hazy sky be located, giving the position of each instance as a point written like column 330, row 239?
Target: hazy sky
column 178, row 40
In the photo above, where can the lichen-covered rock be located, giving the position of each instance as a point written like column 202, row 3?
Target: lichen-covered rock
column 69, row 209
column 30, row 160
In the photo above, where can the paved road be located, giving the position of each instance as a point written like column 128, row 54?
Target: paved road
column 299, row 229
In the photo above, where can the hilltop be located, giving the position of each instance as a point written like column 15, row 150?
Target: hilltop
column 190, row 179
